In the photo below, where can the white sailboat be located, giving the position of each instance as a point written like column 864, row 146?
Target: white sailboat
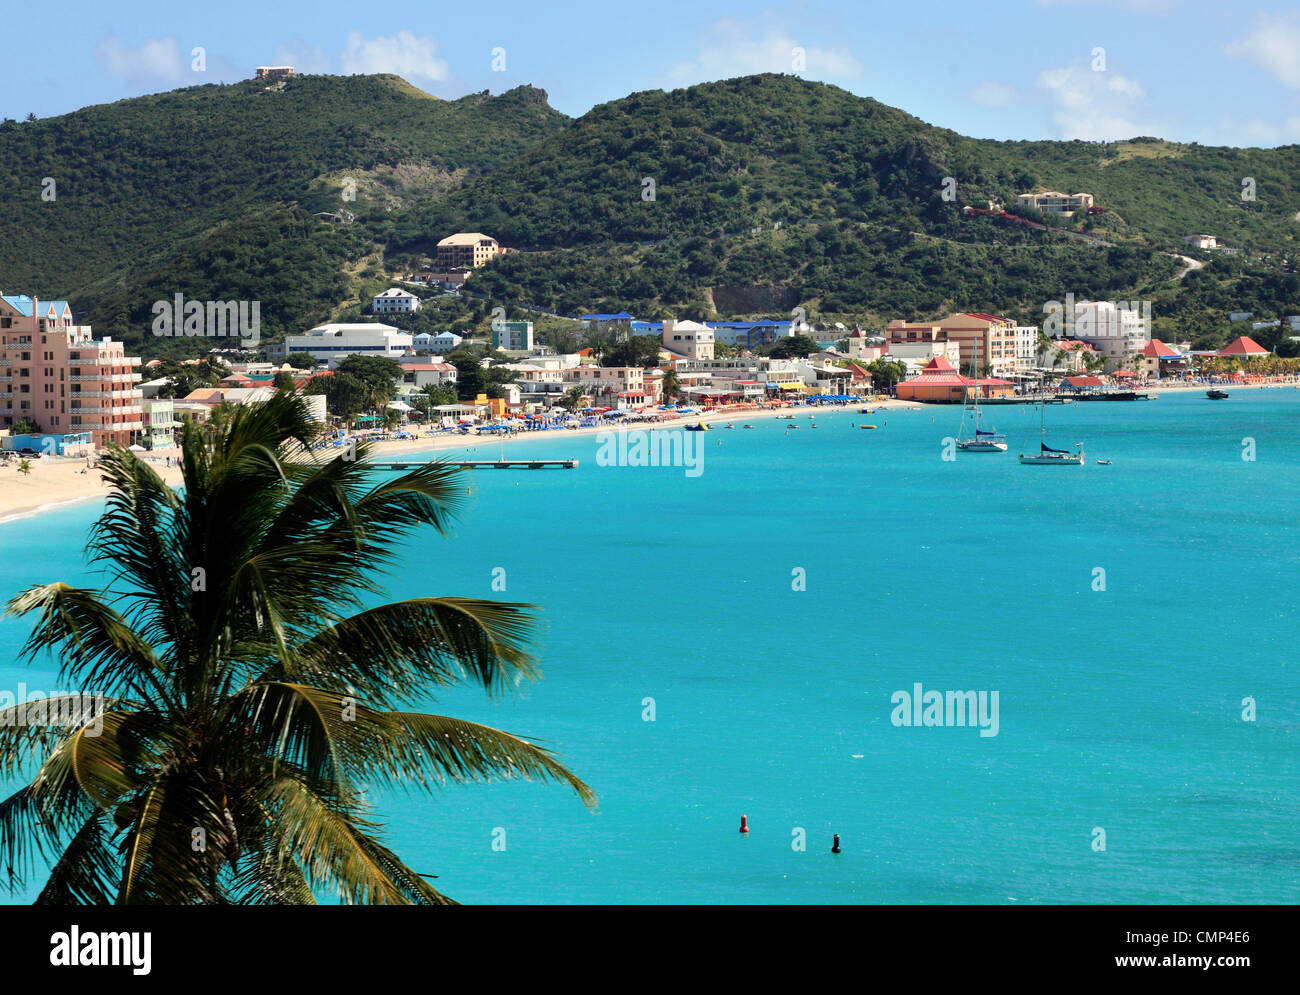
column 1046, row 455
column 981, row 441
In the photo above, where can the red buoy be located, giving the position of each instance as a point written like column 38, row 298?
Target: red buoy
column 744, row 824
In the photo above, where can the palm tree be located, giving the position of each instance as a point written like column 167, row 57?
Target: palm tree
column 251, row 688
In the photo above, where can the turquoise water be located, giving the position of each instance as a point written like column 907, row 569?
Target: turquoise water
column 1119, row 709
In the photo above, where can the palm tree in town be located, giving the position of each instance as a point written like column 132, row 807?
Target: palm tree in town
column 252, row 687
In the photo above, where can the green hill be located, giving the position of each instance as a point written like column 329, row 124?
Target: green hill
column 769, row 192
column 147, row 189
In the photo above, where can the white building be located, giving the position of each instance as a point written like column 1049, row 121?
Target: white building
column 1026, row 347
column 924, row 351
column 335, row 342
column 445, row 341
column 1116, row 331
column 1201, row 241
column 688, row 338
column 421, row 375
column 394, row 299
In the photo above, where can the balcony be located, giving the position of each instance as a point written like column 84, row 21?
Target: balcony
column 106, row 361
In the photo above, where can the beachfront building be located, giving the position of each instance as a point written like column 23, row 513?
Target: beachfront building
column 1054, row 202
column 420, row 375
column 1157, row 359
column 819, row 378
column 512, row 336
column 610, row 386
column 160, row 424
column 940, row 383
column 1026, row 348
column 983, row 340
column 334, row 342
column 466, row 250
column 923, row 351
column 1243, row 347
column 1067, row 355
column 395, row 300
column 688, row 339
column 1115, row 331
column 539, row 385
column 56, row 374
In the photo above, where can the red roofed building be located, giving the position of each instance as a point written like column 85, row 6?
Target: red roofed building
column 939, row 383
column 1243, row 348
column 1157, row 357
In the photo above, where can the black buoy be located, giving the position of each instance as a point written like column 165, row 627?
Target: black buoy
column 835, row 844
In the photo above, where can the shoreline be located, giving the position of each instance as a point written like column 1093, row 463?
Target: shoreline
column 56, row 484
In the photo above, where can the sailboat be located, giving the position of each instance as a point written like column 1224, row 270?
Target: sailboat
column 981, row 441
column 1046, row 455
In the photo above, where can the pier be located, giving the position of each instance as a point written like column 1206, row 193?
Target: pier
column 486, row 464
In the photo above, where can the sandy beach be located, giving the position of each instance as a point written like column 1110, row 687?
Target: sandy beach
column 55, row 483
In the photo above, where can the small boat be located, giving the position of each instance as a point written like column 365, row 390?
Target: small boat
column 1216, row 395
column 1046, row 455
column 785, row 417
column 981, row 441
column 749, row 426
column 866, row 426
column 866, row 411
column 1103, row 462
column 698, row 427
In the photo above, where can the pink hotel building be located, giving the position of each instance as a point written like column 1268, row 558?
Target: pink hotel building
column 53, row 373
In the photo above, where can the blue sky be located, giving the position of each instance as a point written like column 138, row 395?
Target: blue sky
column 1221, row 73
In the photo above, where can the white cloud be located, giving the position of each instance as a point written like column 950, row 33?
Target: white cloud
column 303, row 57
column 1274, row 47
column 1264, row 134
column 992, row 94
column 405, row 54
column 156, row 59
column 1095, row 106
column 734, row 48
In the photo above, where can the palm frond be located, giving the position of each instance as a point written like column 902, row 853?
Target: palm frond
column 404, row 650
column 96, row 646
column 339, row 855
column 87, row 873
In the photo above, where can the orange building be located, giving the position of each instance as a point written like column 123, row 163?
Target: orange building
column 983, row 339
column 57, row 375
column 939, row 383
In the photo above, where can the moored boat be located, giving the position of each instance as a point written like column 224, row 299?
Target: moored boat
column 1046, row 455
column 1216, row 394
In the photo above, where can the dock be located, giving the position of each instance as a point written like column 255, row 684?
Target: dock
column 486, row 464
